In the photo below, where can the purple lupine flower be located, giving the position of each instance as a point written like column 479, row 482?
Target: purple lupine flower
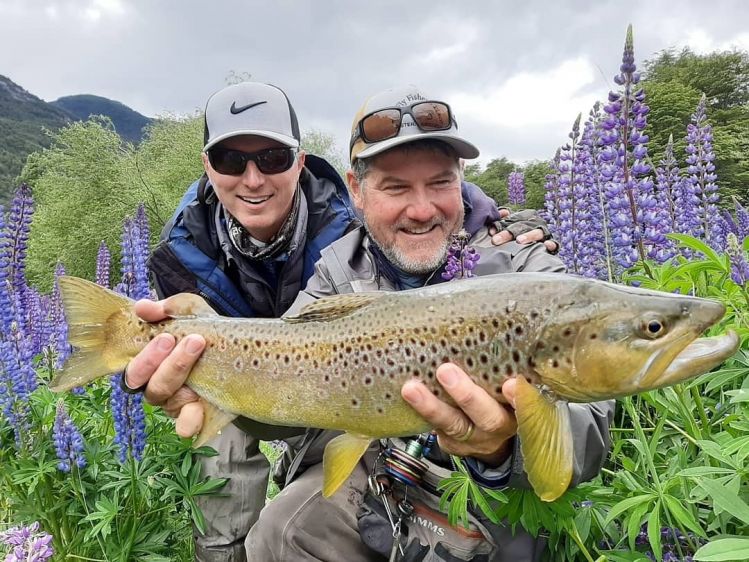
column 551, row 196
column 516, row 188
column 61, row 346
column 103, row 264
column 461, row 258
column 668, row 194
column 701, row 176
column 29, row 544
column 19, row 228
column 633, row 211
column 742, row 220
column 15, row 375
column 68, row 440
column 595, row 245
column 570, row 191
column 127, row 409
column 739, row 263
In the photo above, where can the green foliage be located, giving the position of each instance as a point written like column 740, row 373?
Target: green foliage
column 105, row 511
column 324, row 145
column 88, row 181
column 493, row 179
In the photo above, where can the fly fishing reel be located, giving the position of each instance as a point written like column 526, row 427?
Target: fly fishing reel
column 404, row 465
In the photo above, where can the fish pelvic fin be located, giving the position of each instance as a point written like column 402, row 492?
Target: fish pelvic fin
column 339, row 460
column 545, row 440
column 214, row 420
column 187, row 305
column 90, row 311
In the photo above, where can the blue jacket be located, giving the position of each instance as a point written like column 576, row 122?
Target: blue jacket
column 194, row 254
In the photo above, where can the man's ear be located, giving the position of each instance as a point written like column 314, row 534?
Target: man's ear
column 355, row 189
column 206, row 163
column 300, row 159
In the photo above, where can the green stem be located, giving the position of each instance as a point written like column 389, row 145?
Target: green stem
column 701, row 410
column 576, row 537
column 641, row 436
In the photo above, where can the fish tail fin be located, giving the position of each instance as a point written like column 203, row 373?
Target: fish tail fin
column 545, row 440
column 92, row 312
column 339, row 460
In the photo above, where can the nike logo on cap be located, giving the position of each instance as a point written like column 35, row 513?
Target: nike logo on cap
column 234, row 109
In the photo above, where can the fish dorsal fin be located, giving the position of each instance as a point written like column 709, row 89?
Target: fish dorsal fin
column 187, row 305
column 339, row 460
column 214, row 420
column 545, row 440
column 332, row 307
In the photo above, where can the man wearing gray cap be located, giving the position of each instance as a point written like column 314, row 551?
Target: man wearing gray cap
column 245, row 237
column 405, row 181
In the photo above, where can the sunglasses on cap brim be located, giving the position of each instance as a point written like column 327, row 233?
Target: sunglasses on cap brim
column 386, row 123
column 232, row 162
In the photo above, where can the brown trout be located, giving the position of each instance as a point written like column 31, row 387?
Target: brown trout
column 341, row 361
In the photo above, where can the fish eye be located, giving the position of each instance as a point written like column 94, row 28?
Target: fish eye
column 653, row 327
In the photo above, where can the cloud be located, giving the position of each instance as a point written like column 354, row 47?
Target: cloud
column 531, row 98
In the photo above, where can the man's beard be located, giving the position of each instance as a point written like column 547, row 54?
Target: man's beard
column 410, row 265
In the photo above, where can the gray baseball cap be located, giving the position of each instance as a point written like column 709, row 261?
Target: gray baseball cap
column 250, row 108
column 409, row 132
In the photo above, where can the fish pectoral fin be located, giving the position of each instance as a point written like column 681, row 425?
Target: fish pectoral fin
column 214, row 420
column 545, row 440
column 334, row 306
column 187, row 305
column 339, row 460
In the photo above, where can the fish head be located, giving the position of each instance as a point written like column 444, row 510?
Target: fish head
column 611, row 341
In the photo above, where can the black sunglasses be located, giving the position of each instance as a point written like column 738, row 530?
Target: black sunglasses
column 234, row 162
column 385, row 123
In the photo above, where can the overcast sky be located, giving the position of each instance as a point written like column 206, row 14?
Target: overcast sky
column 516, row 73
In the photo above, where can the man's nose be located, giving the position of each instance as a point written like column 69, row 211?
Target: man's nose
column 420, row 207
column 252, row 177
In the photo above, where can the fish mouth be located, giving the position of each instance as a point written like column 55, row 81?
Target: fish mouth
column 700, row 356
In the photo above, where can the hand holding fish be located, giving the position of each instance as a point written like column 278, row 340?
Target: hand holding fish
column 500, row 237
column 489, row 425
column 164, row 366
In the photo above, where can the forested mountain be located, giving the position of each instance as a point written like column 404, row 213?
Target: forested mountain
column 127, row 122
column 24, row 117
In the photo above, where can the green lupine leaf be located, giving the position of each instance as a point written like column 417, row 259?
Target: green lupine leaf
column 627, row 504
column 723, row 550
column 654, row 530
column 683, row 516
column 726, row 500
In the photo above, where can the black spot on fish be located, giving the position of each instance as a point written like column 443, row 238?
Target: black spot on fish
column 454, row 350
column 495, row 323
column 469, row 362
column 348, row 349
column 593, row 336
column 567, row 332
column 286, row 359
column 509, row 370
column 436, row 392
column 485, row 377
column 555, row 363
column 390, row 361
column 256, row 362
column 354, row 402
column 482, row 336
column 388, row 396
column 516, row 356
column 508, row 338
column 326, row 377
column 534, row 314
column 367, row 381
column 343, row 384
column 380, row 410
column 483, row 359
column 555, row 349
column 408, row 352
column 519, row 330
column 422, row 358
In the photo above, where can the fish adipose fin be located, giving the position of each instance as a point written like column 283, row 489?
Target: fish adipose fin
column 214, row 420
column 92, row 312
column 340, row 458
column 335, row 306
column 545, row 440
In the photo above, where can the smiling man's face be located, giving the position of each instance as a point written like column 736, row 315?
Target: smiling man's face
column 260, row 202
column 412, row 205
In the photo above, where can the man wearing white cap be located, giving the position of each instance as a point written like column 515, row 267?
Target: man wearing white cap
column 245, row 237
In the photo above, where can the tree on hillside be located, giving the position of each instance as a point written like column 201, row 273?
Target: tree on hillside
column 323, row 145
column 674, row 83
